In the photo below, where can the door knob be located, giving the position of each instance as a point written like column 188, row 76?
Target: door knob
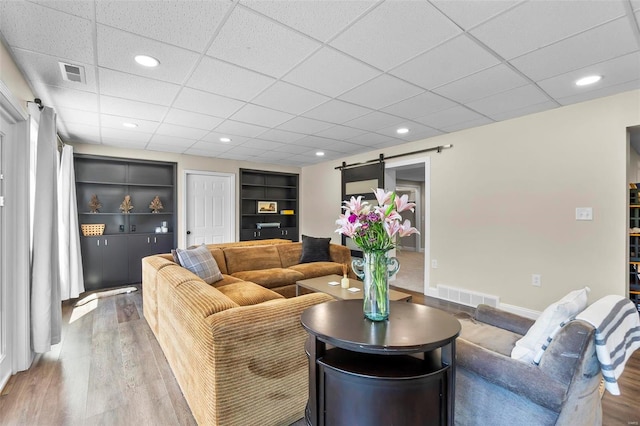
column 188, row 232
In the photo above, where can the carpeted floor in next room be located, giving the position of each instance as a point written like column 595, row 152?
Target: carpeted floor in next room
column 110, row 370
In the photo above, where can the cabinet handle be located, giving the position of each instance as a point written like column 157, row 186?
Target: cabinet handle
column 98, row 242
column 148, row 240
column 106, row 242
column 155, row 240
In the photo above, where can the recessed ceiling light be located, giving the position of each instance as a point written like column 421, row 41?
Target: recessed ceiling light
column 147, row 61
column 585, row 81
column 402, row 131
column 225, row 140
column 130, row 125
column 319, row 153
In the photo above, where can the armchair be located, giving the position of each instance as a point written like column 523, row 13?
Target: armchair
column 492, row 388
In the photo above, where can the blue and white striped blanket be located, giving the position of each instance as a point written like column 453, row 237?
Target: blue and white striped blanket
column 617, row 335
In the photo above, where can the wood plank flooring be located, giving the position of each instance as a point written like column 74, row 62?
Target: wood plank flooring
column 110, row 370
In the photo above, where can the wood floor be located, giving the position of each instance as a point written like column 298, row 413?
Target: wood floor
column 109, row 370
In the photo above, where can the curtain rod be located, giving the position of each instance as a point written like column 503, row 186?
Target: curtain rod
column 382, row 157
column 38, row 102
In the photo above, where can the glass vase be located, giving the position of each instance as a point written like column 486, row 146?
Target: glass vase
column 374, row 269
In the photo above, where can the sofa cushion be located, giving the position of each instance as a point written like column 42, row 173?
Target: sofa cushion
column 315, row 249
column 200, row 261
column 218, row 255
column 226, row 280
column 489, row 337
column 251, row 258
column 289, row 254
column 555, row 314
column 270, row 278
column 246, row 293
column 318, row 269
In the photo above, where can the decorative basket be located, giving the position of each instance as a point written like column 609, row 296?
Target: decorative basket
column 92, row 229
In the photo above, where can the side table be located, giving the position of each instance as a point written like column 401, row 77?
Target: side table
column 380, row 373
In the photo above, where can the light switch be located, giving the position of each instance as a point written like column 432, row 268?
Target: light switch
column 584, row 213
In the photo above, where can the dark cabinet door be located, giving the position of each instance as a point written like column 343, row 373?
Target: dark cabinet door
column 140, row 246
column 114, row 260
column 91, row 262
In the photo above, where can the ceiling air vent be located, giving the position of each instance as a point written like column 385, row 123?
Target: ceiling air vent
column 72, row 72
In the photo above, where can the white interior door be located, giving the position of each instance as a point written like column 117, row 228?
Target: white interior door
column 210, row 208
column 5, row 356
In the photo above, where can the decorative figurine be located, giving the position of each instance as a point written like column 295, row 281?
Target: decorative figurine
column 126, row 204
column 156, row 205
column 94, row 204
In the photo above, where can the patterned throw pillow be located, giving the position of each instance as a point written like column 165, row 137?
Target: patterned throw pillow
column 549, row 322
column 200, row 261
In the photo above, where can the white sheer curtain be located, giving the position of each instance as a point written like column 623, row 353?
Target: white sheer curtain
column 46, row 312
column 71, row 279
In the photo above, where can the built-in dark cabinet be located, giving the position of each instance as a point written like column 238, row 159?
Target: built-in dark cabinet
column 114, row 258
column 277, row 194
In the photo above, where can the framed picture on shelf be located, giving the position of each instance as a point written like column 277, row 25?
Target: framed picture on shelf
column 267, row 207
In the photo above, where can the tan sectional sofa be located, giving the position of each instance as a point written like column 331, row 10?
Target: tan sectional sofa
column 237, row 347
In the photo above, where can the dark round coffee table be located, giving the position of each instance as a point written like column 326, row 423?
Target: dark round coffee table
column 399, row 371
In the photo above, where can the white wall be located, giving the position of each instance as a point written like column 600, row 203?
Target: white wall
column 503, row 202
column 185, row 162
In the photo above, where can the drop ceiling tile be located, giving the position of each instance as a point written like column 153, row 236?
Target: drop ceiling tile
column 535, row 24
column 469, row 13
column 374, row 121
column 448, row 117
column 214, row 138
column 341, row 132
column 78, row 116
column 243, row 151
column 252, row 41
column 172, row 130
column 110, row 135
column 304, row 125
column 319, row 19
column 482, row 84
column 64, row 97
column 261, row 144
column 125, row 143
column 224, row 79
column 293, row 148
column 228, row 155
column 192, row 119
column 600, row 44
column 380, row 92
column 424, row 134
column 200, row 153
column 347, row 148
column 519, row 112
column 419, row 105
column 394, row 32
column 82, row 9
column 274, row 155
column 206, row 103
column 605, row 91
column 40, row 68
column 165, row 148
column 127, row 86
column 115, row 122
column 448, row 62
column 232, row 127
column 466, row 125
column 510, row 100
column 316, row 142
column 281, row 136
column 635, row 4
column 615, row 71
column 82, row 133
column 129, row 108
column 286, row 97
column 186, row 25
column 64, row 36
column 168, row 140
column 261, row 116
column 336, row 111
column 117, row 49
column 373, row 139
column 208, row 147
column 330, row 72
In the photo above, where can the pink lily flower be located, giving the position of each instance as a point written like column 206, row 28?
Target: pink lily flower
column 356, row 205
column 383, row 197
column 406, row 229
column 403, row 204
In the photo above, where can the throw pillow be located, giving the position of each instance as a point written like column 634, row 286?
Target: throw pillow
column 200, row 261
column 549, row 321
column 315, row 249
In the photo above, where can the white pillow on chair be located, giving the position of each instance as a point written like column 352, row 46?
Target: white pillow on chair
column 549, row 321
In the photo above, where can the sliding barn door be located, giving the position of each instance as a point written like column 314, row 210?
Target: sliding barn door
column 361, row 180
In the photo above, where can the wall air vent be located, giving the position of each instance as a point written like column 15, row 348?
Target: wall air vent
column 74, row 73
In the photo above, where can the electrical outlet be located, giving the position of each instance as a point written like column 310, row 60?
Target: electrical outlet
column 584, row 213
column 434, row 263
column 536, row 280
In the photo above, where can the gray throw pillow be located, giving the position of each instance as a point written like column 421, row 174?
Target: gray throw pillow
column 200, row 261
column 315, row 249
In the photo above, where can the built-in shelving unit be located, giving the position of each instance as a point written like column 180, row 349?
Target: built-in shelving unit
column 113, row 258
column 634, row 244
column 268, row 205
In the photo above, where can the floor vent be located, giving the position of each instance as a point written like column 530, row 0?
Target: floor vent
column 72, row 72
column 466, row 297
